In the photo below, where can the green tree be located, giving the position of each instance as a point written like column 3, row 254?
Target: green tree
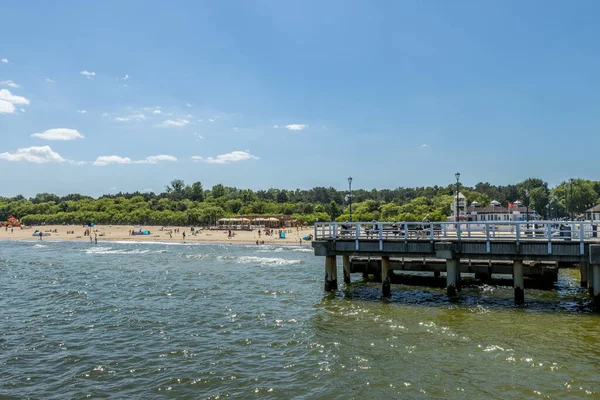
column 196, row 192
column 333, row 210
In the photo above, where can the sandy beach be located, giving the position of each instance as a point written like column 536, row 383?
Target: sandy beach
column 157, row 234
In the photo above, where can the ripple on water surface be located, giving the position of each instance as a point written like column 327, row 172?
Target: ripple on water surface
column 142, row 320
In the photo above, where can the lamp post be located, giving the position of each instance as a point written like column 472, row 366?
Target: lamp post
column 350, row 195
column 527, row 206
column 457, row 176
column 571, row 200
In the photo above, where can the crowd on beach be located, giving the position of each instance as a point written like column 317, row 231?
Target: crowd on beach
column 95, row 233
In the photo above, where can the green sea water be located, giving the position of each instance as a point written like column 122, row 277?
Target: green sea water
column 126, row 320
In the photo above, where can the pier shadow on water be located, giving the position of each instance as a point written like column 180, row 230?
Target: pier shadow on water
column 565, row 295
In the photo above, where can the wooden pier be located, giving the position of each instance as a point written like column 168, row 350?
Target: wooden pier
column 523, row 249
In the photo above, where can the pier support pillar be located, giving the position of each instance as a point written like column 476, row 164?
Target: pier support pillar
column 583, row 272
column 436, row 274
column 590, row 281
column 346, row 263
column 482, row 273
column 385, row 276
column 330, row 274
column 451, row 274
column 519, row 284
column 596, row 288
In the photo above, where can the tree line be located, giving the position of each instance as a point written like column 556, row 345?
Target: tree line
column 182, row 204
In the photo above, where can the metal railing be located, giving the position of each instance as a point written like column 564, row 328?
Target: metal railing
column 547, row 231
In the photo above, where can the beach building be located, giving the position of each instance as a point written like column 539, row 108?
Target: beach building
column 495, row 211
column 593, row 213
column 462, row 207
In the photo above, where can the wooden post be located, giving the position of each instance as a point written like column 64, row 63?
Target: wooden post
column 346, row 263
column 451, row 268
column 519, row 284
column 330, row 274
column 385, row 276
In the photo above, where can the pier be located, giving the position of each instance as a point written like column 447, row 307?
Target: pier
column 535, row 249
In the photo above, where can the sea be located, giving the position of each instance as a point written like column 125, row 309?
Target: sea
column 129, row 320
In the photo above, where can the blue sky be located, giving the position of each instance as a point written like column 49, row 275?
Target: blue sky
column 259, row 94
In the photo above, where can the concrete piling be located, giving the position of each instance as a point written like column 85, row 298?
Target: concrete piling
column 451, row 274
column 346, row 263
column 583, row 272
column 385, row 276
column 590, row 280
column 596, row 288
column 330, row 274
column 518, row 281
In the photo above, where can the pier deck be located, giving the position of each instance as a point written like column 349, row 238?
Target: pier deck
column 446, row 244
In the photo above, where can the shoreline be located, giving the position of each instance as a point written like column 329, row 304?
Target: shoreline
column 174, row 242
column 168, row 235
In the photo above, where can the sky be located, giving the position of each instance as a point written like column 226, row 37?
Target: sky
column 107, row 96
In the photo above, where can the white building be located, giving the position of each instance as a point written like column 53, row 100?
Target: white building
column 462, row 206
column 593, row 213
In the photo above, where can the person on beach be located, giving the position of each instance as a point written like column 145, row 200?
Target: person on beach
column 183, row 235
column 96, row 238
column 40, row 235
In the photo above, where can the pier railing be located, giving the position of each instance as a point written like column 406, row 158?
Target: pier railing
column 490, row 231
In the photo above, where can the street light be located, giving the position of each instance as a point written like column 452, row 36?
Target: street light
column 350, row 195
column 571, row 201
column 527, row 205
column 457, row 176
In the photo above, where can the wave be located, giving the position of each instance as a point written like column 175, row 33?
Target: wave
column 261, row 260
column 110, row 250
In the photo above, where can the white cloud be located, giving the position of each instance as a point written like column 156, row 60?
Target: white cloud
column 275, row 126
column 125, row 77
column 50, row 80
column 6, row 107
column 134, row 117
column 156, row 112
column 82, row 111
column 188, row 104
column 59, row 134
column 177, row 122
column 38, row 155
column 296, row 127
column 87, row 74
column 6, row 95
column 22, row 109
column 10, row 83
column 211, row 120
column 234, row 156
column 106, row 160
column 424, row 146
column 105, row 114
column 198, row 135
column 155, row 159
column 4, row 60
column 200, row 120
